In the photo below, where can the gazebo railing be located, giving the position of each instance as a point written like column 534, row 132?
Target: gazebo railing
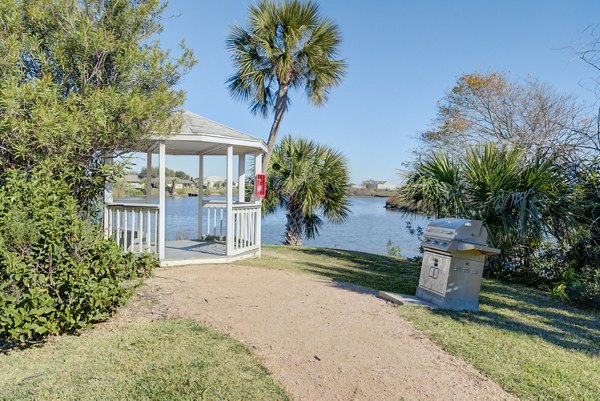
column 246, row 224
column 215, row 219
column 134, row 226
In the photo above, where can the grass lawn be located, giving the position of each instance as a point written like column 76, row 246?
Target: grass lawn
column 161, row 360
column 532, row 345
column 380, row 272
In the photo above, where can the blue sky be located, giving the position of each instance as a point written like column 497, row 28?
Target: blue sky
column 402, row 57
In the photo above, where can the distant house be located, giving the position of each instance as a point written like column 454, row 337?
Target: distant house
column 133, row 181
column 179, row 183
column 386, row 186
column 214, row 181
column 373, row 185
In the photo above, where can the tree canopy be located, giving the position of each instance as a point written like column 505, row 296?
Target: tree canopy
column 309, row 181
column 168, row 172
column 527, row 115
column 80, row 80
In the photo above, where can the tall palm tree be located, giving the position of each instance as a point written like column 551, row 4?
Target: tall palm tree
column 309, row 181
column 286, row 46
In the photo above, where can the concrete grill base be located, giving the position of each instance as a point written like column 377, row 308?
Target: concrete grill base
column 448, row 302
column 403, row 299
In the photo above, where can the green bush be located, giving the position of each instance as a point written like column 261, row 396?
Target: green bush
column 569, row 272
column 57, row 272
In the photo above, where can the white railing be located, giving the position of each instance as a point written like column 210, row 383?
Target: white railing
column 246, row 224
column 246, row 227
column 215, row 219
column 134, row 226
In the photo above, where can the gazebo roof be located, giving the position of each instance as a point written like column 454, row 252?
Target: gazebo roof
column 200, row 135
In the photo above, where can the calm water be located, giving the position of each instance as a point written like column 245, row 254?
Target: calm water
column 368, row 228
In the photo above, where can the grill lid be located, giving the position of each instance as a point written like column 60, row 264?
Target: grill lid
column 457, row 234
column 457, row 229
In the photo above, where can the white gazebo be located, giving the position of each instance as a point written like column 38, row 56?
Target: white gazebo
column 227, row 230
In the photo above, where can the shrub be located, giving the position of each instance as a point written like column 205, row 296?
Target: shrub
column 570, row 272
column 57, row 272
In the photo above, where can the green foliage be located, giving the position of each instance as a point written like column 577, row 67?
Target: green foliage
column 434, row 187
column 308, row 180
column 570, row 270
column 168, row 172
column 286, row 45
column 519, row 199
column 492, row 184
column 82, row 79
column 523, row 200
column 57, row 273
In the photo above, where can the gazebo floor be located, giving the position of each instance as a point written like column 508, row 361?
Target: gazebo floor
column 192, row 252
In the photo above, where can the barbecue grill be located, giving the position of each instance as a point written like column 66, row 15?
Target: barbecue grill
column 454, row 252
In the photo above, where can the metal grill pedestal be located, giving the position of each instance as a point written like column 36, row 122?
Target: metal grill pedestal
column 453, row 261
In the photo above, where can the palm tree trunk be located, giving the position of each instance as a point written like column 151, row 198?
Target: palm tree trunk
column 280, row 106
column 294, row 225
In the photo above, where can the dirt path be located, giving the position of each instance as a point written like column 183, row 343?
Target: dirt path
column 320, row 339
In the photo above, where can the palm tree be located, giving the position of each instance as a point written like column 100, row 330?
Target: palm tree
column 309, row 181
column 287, row 45
column 521, row 198
column 434, row 187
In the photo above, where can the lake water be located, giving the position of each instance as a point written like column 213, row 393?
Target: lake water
column 367, row 229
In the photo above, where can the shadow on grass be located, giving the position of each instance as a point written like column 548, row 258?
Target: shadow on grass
column 527, row 311
column 379, row 272
column 509, row 307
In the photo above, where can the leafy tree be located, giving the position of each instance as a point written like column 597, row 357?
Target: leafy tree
column 80, row 80
column 309, row 181
column 286, row 46
column 168, row 172
column 182, row 175
column 531, row 116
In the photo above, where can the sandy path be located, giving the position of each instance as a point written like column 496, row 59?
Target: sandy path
column 321, row 340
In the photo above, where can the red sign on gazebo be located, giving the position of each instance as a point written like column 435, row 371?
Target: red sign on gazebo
column 260, row 186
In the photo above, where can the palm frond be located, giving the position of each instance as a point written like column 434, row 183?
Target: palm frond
column 288, row 44
column 312, row 176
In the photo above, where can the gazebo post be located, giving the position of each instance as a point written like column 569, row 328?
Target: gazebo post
column 229, row 210
column 149, row 176
column 258, row 159
column 200, row 193
column 161, row 200
column 242, row 178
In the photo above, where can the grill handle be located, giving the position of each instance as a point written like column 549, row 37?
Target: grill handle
column 486, row 250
